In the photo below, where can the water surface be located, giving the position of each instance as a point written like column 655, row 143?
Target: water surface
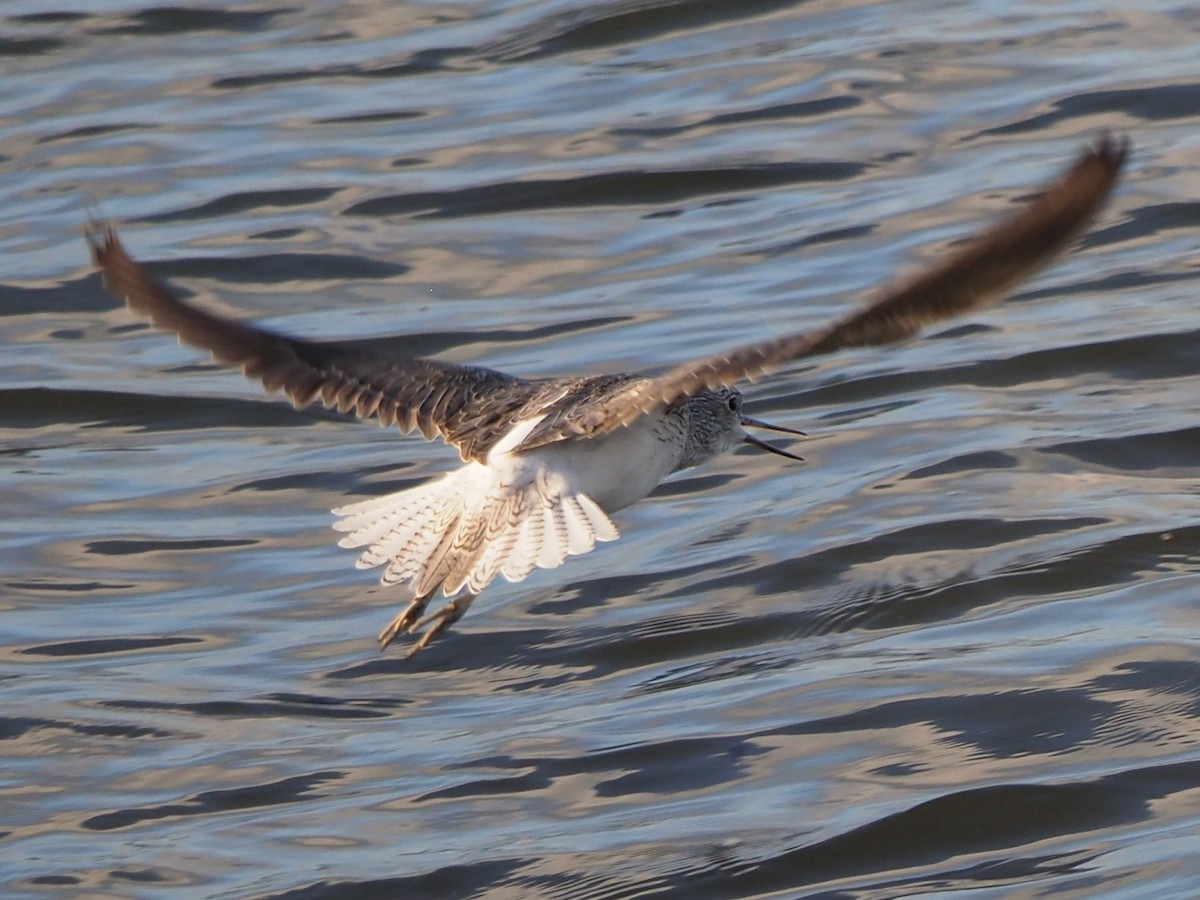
column 954, row 652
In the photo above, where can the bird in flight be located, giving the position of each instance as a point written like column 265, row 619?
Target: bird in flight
column 546, row 461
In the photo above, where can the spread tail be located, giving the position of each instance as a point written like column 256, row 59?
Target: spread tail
column 458, row 532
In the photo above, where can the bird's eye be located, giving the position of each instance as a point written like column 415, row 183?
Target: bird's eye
column 734, row 402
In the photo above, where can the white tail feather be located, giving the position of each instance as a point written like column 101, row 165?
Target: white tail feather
column 602, row 525
column 370, row 520
column 553, row 550
column 523, row 558
column 466, row 528
column 411, row 557
column 580, row 538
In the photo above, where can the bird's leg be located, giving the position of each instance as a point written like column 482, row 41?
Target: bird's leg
column 406, row 621
column 439, row 621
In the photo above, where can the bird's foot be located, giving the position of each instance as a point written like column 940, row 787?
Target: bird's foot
column 435, row 623
column 408, row 620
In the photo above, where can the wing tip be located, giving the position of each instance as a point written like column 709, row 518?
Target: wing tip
column 101, row 239
column 1112, row 149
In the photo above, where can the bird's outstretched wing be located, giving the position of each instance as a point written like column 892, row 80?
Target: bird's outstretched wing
column 470, row 407
column 979, row 273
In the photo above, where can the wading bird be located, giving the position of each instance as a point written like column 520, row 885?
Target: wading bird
column 547, row 460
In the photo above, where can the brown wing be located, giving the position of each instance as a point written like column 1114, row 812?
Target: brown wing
column 979, row 273
column 468, row 406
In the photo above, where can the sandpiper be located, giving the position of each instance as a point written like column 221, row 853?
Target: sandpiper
column 547, row 460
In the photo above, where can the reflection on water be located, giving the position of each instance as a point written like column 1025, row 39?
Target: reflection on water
column 955, row 650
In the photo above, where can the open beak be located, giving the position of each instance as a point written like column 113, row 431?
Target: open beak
column 755, row 423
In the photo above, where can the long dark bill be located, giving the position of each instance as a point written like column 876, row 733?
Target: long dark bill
column 763, row 445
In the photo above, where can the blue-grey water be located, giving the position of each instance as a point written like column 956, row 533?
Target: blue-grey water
column 955, row 652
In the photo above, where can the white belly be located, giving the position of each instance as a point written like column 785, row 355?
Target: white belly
column 617, row 469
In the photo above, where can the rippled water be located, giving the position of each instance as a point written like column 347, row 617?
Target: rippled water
column 955, row 652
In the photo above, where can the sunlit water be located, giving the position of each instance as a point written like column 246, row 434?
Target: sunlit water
column 954, row 652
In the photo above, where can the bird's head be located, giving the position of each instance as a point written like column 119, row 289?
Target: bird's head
column 716, row 424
